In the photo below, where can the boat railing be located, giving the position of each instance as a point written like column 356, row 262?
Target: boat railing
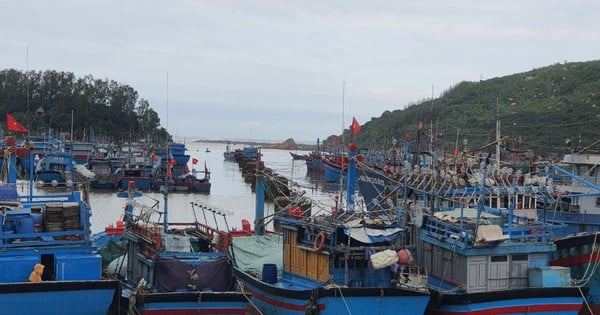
column 450, row 232
column 413, row 278
column 38, row 239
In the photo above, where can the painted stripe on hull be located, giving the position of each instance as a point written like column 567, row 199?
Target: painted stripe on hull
column 280, row 304
column 231, row 311
column 575, row 260
column 340, row 304
column 527, row 309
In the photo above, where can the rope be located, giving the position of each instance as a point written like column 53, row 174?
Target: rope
column 344, row 300
column 587, row 304
column 241, row 286
column 588, row 275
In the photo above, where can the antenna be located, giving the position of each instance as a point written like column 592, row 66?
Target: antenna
column 343, row 108
column 27, row 84
column 167, row 106
column 431, row 122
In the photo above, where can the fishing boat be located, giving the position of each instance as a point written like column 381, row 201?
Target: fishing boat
column 48, row 263
column 229, row 154
column 327, row 264
column 81, row 152
column 314, row 160
column 174, row 267
column 191, row 182
column 314, row 163
column 335, row 168
column 108, row 171
column 479, row 236
column 574, row 203
column 493, row 262
column 576, row 191
column 495, row 254
column 54, row 169
column 297, row 157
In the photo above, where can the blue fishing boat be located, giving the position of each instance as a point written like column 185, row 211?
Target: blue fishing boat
column 327, row 264
column 229, row 155
column 575, row 204
column 251, row 152
column 48, row 263
column 298, row 157
column 478, row 235
column 495, row 254
column 576, row 191
column 314, row 163
column 40, row 146
column 54, row 169
column 81, row 152
column 335, row 168
column 107, row 171
column 174, row 267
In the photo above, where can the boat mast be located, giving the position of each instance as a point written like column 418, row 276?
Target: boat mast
column 167, row 164
column 497, row 138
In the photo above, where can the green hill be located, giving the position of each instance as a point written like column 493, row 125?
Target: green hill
column 538, row 109
column 49, row 101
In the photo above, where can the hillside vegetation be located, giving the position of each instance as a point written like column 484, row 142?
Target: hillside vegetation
column 48, row 101
column 539, row 110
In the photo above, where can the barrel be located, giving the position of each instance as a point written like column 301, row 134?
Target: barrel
column 269, row 273
column 24, row 225
column 9, row 227
column 38, row 222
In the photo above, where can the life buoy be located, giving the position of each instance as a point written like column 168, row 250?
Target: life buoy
column 223, row 242
column 319, row 241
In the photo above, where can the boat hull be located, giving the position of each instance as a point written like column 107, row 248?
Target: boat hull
column 577, row 253
column 333, row 173
column 227, row 303
column 521, row 301
column 273, row 299
column 58, row 297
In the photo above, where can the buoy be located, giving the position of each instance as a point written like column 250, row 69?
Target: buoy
column 69, row 183
column 40, row 183
column 405, row 257
column 319, row 241
column 54, row 183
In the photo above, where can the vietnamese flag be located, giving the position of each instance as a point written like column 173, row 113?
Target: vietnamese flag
column 13, row 125
column 194, row 161
column 355, row 127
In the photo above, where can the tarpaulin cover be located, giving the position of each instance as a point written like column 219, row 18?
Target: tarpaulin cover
column 252, row 252
column 364, row 234
column 8, row 193
column 173, row 275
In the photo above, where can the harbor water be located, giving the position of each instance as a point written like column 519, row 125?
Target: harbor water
column 229, row 192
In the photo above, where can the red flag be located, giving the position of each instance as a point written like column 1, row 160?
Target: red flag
column 194, row 161
column 355, row 128
column 336, row 140
column 154, row 157
column 13, row 125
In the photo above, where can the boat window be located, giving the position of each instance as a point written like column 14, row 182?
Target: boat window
column 519, row 257
column 597, row 201
column 498, row 258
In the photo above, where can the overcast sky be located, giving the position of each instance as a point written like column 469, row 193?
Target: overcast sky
column 271, row 70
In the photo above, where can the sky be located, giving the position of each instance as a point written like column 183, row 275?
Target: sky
column 268, row 70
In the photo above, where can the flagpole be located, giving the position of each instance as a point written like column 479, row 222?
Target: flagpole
column 27, row 80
